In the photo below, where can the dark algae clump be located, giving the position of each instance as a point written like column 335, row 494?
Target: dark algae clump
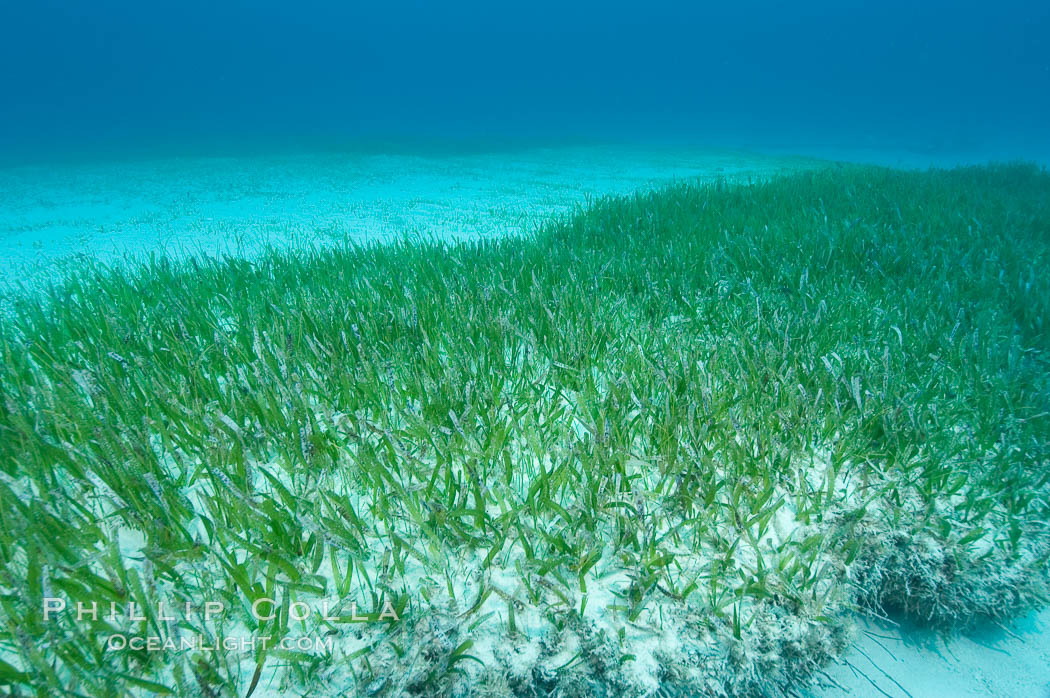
column 670, row 445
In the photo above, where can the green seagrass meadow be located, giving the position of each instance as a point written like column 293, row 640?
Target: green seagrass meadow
column 670, row 445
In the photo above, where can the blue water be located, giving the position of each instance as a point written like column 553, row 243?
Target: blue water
column 173, row 76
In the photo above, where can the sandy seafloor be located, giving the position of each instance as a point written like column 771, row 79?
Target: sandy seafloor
column 54, row 216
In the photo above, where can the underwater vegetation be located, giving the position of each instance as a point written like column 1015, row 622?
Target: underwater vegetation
column 669, row 445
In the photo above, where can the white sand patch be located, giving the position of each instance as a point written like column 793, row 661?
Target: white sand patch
column 902, row 661
column 54, row 216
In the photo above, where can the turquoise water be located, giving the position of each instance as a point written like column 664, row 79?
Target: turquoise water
column 130, row 131
column 935, row 77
